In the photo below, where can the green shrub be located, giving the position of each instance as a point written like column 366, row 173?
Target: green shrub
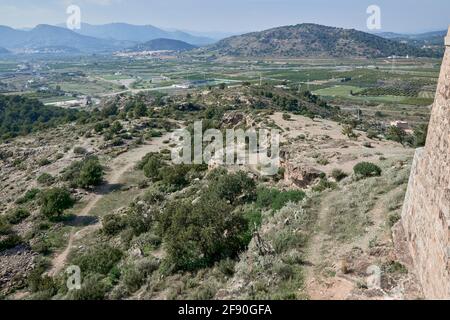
column 226, row 266
column 112, row 224
column 396, row 134
column 323, row 185
column 46, row 179
column 153, row 196
column 116, row 127
column 338, row 175
column 133, row 278
column 39, row 283
column 93, row 288
column 9, row 241
column 138, row 222
column 5, row 227
column 233, row 186
column 84, row 174
column 394, row 267
column 55, row 201
column 198, row 235
column 44, row 162
column 17, row 215
column 79, row 150
column 287, row 196
column 265, row 196
column 287, row 239
column 175, row 176
column 275, row 199
column 393, row 219
column 99, row 259
column 152, row 167
column 367, row 169
column 30, row 195
column 420, row 135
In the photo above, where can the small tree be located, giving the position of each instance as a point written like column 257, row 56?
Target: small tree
column 55, row 201
column 116, row 127
column 396, row 134
column 91, row 173
column 420, row 135
column 152, row 167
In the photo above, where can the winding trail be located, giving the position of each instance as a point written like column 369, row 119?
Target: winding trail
column 118, row 167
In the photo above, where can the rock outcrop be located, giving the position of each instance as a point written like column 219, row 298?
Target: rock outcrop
column 426, row 212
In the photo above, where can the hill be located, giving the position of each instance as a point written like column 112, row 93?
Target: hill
column 43, row 36
column 164, row 44
column 3, row 51
column 129, row 32
column 312, row 40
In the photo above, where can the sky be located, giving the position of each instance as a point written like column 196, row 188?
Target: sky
column 234, row 16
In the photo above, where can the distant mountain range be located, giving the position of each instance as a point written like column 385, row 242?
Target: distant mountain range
column 89, row 39
column 3, row 51
column 164, row 44
column 46, row 36
column 312, row 40
column 129, row 32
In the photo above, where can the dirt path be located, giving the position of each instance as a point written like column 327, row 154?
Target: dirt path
column 318, row 289
column 118, row 167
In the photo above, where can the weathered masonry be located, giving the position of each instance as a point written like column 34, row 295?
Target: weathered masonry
column 426, row 212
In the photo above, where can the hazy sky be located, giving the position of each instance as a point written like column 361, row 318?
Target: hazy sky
column 233, row 15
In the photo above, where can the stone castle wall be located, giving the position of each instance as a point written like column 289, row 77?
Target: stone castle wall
column 426, row 212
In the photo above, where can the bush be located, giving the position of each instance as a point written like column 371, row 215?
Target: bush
column 55, row 201
column 420, row 135
column 112, row 224
column 133, row 278
column 338, row 175
column 46, row 179
column 393, row 219
column 199, row 235
column 9, row 241
column 175, row 176
column 323, row 185
column 152, row 167
column 5, row 227
column 39, row 283
column 17, row 216
column 287, row 196
column 367, row 169
column 233, row 186
column 265, row 196
column 44, row 162
column 277, row 199
column 80, row 151
column 116, row 127
column 91, row 173
column 30, row 195
column 93, row 288
column 84, row 174
column 396, row 134
column 99, row 259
